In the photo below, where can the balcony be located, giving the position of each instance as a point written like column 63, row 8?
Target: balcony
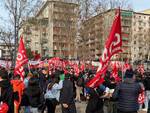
column 28, row 39
column 90, row 41
column 44, row 40
column 98, row 51
column 125, row 25
column 44, row 47
column 124, row 39
column 44, row 22
column 140, row 20
column 65, row 49
column 126, row 14
column 125, row 45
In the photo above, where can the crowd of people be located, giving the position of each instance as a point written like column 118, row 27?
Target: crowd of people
column 41, row 91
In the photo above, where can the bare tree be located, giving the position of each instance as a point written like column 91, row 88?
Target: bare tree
column 103, row 5
column 23, row 8
column 17, row 11
column 6, row 38
column 90, row 8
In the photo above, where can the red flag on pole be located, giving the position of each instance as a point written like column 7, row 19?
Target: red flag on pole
column 21, row 59
column 112, row 46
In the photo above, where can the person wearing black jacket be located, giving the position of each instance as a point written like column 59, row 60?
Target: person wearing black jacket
column 95, row 102
column 44, row 79
column 147, row 89
column 127, row 94
column 67, row 97
column 34, row 94
column 6, row 93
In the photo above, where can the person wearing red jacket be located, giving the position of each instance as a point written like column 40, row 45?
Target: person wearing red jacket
column 18, row 88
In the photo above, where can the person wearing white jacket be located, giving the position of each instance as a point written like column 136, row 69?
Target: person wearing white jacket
column 52, row 94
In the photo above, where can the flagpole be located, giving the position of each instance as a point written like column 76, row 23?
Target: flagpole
column 122, row 69
column 29, row 66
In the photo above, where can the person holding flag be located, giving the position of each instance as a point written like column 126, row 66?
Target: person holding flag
column 112, row 46
column 126, row 93
column 18, row 88
column 19, row 71
column 21, row 59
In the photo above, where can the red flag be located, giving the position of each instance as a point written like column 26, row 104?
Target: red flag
column 141, row 97
column 37, row 57
column 126, row 65
column 115, row 73
column 112, row 46
column 76, row 69
column 140, row 69
column 21, row 59
column 82, row 68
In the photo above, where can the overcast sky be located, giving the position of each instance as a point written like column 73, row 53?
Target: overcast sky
column 140, row 5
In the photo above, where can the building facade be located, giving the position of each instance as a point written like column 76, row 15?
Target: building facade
column 53, row 31
column 6, row 51
column 95, row 31
column 91, row 33
column 135, row 35
column 140, row 36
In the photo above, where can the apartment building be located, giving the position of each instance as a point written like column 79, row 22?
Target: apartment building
column 140, row 36
column 6, row 51
column 135, row 35
column 147, row 11
column 53, row 31
column 95, row 31
column 91, row 33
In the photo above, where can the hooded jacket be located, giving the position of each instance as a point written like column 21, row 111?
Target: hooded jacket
column 34, row 92
column 7, row 94
column 18, row 86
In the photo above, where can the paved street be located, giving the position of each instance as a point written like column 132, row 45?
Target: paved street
column 81, row 108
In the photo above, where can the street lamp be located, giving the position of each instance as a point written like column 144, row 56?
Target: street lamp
column 15, row 35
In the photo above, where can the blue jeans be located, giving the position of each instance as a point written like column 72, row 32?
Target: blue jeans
column 27, row 109
column 147, row 99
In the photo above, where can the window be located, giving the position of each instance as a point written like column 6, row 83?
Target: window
column 134, row 23
column 135, row 29
column 135, row 36
column 36, row 44
column 134, row 55
column 134, row 42
column 140, row 23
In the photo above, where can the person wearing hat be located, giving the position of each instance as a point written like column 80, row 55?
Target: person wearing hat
column 126, row 93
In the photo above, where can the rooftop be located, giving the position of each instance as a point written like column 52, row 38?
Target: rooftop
column 147, row 11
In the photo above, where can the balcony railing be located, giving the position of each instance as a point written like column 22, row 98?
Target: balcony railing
column 125, row 39
column 44, row 41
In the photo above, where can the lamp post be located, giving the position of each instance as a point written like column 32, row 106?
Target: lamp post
column 15, row 35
